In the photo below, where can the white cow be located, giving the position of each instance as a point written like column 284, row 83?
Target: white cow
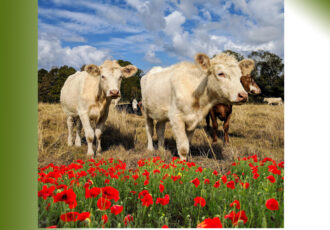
column 135, row 105
column 87, row 95
column 273, row 100
column 185, row 92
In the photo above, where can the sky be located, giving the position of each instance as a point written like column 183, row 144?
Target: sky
column 155, row 32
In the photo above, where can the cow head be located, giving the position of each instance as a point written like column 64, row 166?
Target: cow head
column 250, row 86
column 224, row 76
column 111, row 74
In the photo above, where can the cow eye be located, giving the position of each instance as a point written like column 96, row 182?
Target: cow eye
column 103, row 77
column 221, row 74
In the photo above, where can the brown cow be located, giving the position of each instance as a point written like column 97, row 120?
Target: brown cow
column 223, row 112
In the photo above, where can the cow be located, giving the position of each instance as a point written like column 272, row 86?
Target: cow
column 86, row 96
column 184, row 93
column 273, row 100
column 222, row 111
column 131, row 108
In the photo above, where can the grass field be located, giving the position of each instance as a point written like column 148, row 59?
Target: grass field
column 254, row 129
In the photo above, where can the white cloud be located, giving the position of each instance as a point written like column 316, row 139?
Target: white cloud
column 150, row 55
column 51, row 52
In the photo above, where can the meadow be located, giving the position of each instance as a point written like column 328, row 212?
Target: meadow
column 255, row 129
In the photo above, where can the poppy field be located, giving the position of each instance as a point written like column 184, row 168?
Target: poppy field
column 105, row 193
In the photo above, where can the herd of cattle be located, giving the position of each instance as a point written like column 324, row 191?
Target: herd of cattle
column 182, row 94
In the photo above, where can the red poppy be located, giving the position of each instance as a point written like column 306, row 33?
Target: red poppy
column 46, row 192
column 200, row 169
column 135, row 176
column 245, row 185
column 273, row 169
column 161, row 188
column 199, row 200
column 105, row 218
column 272, row 204
column 93, row 192
column 143, row 193
column 271, row 178
column 216, row 184
column 196, row 182
column 53, row 226
column 206, row 181
column 215, row 172
column 110, row 193
column 235, row 217
column 116, row 209
column 231, row 184
column 164, row 226
column 210, row 223
column 103, row 204
column 147, row 200
column 156, row 171
column 128, row 219
column 146, row 182
column 255, row 176
column 163, row 201
column 83, row 216
column 224, row 179
column 107, row 181
column 236, row 203
column 67, row 196
column 175, row 178
column 281, row 164
column 70, row 216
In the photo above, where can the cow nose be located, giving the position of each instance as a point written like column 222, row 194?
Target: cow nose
column 242, row 97
column 114, row 92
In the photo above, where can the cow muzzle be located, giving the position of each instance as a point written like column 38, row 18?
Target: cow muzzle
column 242, row 97
column 114, row 93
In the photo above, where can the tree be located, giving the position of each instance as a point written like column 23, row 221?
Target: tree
column 238, row 56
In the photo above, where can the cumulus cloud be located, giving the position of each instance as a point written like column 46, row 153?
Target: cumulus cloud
column 51, row 53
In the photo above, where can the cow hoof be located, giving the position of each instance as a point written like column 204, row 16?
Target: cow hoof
column 90, row 154
column 98, row 155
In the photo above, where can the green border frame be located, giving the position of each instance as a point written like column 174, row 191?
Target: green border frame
column 18, row 103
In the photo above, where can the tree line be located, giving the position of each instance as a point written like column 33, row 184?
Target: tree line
column 268, row 74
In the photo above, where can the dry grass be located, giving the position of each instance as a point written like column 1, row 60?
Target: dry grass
column 254, row 129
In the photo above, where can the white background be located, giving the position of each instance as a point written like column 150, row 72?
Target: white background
column 307, row 120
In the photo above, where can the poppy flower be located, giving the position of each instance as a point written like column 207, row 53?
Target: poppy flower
column 215, row 173
column 206, row 181
column 161, row 188
column 67, row 196
column 210, row 223
column 70, row 216
column 105, row 218
column 83, row 216
column 281, row 164
column 146, row 182
column 93, row 192
column 106, row 181
column 164, row 226
column 46, row 192
column 231, row 184
column 147, row 200
column 196, row 182
column 110, row 193
column 163, row 201
column 103, row 204
column 143, row 193
column 271, row 178
column 255, row 176
column 200, row 169
column 53, row 226
column 245, row 185
column 128, row 219
column 216, row 184
column 224, row 179
column 272, row 204
column 236, row 203
column 199, row 200
column 135, row 176
column 235, row 217
column 156, row 171
column 116, row 209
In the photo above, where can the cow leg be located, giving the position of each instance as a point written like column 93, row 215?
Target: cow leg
column 69, row 122
column 182, row 142
column 89, row 133
column 226, row 129
column 150, row 132
column 207, row 119
column 99, row 130
column 77, row 142
column 160, row 129
column 214, row 126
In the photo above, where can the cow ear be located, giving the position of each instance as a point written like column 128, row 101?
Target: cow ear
column 203, row 62
column 247, row 66
column 93, row 70
column 129, row 70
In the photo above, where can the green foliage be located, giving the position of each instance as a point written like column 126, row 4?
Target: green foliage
column 50, row 83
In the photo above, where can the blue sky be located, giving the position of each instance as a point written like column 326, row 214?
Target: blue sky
column 155, row 32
